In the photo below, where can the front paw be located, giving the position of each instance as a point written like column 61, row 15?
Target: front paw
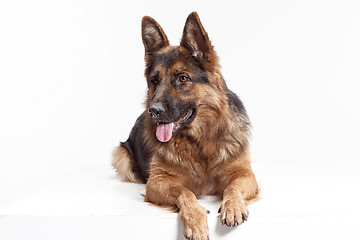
column 195, row 223
column 233, row 212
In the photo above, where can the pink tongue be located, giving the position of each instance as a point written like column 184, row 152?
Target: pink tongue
column 164, row 131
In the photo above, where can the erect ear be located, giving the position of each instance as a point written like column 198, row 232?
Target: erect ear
column 195, row 38
column 153, row 35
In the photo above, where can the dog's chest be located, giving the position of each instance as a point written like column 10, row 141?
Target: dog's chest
column 197, row 168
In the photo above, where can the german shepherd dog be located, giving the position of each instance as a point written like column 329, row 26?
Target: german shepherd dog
column 192, row 139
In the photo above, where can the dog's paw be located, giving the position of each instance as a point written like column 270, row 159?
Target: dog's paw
column 195, row 223
column 233, row 212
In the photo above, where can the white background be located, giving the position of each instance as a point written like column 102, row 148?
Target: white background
column 72, row 85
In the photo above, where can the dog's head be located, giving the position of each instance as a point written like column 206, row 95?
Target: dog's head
column 180, row 78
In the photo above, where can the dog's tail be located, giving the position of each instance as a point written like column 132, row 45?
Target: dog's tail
column 122, row 163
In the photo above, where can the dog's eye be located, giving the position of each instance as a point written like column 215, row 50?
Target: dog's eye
column 154, row 80
column 183, row 78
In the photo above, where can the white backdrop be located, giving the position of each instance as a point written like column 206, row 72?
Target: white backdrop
column 72, row 85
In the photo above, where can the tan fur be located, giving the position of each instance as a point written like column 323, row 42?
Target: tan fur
column 122, row 164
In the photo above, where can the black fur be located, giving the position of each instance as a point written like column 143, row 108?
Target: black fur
column 236, row 103
column 139, row 154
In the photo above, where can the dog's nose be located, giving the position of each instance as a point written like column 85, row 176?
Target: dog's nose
column 156, row 110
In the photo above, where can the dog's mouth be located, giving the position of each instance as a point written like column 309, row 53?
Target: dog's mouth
column 164, row 131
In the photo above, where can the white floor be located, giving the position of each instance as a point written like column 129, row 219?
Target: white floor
column 92, row 203
column 72, row 85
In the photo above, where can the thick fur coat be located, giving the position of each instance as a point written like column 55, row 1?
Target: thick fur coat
column 192, row 139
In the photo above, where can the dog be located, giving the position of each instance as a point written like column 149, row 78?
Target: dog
column 192, row 139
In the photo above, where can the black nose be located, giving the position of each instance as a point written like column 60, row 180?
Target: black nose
column 156, row 111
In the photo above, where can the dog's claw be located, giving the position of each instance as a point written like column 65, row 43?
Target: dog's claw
column 207, row 211
column 245, row 217
column 219, row 211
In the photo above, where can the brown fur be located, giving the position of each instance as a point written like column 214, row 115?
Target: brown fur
column 208, row 157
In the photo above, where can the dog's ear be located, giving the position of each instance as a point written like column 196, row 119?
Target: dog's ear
column 195, row 38
column 153, row 35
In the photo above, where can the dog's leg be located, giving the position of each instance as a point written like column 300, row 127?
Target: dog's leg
column 238, row 187
column 234, row 209
column 163, row 189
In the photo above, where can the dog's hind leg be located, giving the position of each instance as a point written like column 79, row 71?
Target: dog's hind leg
column 122, row 163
